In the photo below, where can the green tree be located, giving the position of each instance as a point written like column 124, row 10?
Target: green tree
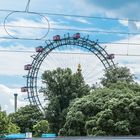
column 4, row 122
column 13, row 128
column 62, row 86
column 110, row 111
column 26, row 117
column 113, row 75
column 6, row 126
column 41, row 127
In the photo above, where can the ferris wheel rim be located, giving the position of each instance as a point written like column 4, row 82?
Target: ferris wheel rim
column 90, row 45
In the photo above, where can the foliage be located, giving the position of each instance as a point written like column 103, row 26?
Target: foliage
column 62, row 86
column 41, row 127
column 114, row 111
column 113, row 75
column 13, row 128
column 4, row 122
column 26, row 117
column 6, row 126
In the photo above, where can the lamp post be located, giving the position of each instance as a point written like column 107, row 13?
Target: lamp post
column 15, row 95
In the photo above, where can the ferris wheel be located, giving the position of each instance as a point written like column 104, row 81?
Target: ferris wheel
column 42, row 52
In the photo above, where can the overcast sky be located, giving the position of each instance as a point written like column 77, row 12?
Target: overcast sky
column 120, row 25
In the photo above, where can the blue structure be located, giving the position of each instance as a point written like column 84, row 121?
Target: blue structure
column 48, row 135
column 15, row 136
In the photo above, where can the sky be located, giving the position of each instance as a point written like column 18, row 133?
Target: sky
column 115, row 24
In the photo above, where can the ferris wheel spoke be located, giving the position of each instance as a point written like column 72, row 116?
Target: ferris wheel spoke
column 92, row 67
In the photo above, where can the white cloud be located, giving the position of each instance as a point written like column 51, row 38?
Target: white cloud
column 84, row 7
column 21, row 27
column 81, row 20
column 7, row 98
column 137, row 24
column 27, row 28
column 78, row 19
column 13, row 5
column 124, row 22
column 124, row 46
column 12, row 63
column 123, row 51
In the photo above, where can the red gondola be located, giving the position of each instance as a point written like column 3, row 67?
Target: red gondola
column 111, row 56
column 76, row 36
column 56, row 38
column 27, row 67
column 39, row 49
column 24, row 89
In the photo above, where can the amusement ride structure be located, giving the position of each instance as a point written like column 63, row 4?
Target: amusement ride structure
column 32, row 77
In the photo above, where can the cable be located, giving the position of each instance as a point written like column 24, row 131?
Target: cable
column 16, row 38
column 78, row 30
column 11, row 35
column 65, row 29
column 27, row 6
column 17, row 51
column 70, row 15
column 101, row 42
column 70, row 29
column 54, row 52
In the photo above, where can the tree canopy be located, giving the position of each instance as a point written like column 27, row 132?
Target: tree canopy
column 6, row 126
column 41, row 127
column 113, row 75
column 75, row 109
column 26, row 117
column 62, row 86
column 109, row 112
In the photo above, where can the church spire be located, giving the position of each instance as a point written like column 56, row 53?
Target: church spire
column 79, row 68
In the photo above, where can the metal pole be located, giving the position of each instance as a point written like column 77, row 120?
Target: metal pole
column 15, row 95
